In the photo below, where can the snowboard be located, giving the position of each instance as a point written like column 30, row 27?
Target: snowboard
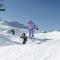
column 33, row 38
column 38, row 40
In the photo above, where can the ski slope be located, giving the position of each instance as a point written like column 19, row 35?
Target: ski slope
column 47, row 49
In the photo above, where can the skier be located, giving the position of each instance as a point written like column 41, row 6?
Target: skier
column 31, row 28
column 24, row 38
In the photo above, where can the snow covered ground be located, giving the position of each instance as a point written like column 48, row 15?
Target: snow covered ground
column 46, row 46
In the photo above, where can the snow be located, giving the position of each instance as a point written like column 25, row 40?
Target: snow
column 47, row 49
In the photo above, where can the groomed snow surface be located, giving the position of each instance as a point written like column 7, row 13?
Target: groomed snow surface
column 46, row 46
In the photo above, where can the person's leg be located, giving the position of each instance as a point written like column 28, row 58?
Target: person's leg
column 33, row 33
column 25, row 40
column 30, row 33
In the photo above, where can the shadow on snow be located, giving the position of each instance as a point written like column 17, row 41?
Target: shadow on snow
column 4, row 41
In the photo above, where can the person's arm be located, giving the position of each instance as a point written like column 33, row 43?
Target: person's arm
column 21, row 37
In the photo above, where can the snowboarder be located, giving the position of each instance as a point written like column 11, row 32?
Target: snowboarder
column 31, row 28
column 13, row 32
column 24, row 38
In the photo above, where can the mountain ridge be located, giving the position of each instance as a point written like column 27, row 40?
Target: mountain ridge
column 14, row 24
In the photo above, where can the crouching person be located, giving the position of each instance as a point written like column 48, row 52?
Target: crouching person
column 24, row 38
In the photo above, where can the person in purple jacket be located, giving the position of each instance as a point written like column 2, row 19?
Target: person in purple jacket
column 31, row 27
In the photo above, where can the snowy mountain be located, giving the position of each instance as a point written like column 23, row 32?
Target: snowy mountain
column 14, row 24
column 5, row 28
column 45, row 46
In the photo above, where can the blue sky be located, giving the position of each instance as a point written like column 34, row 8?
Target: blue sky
column 45, row 13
